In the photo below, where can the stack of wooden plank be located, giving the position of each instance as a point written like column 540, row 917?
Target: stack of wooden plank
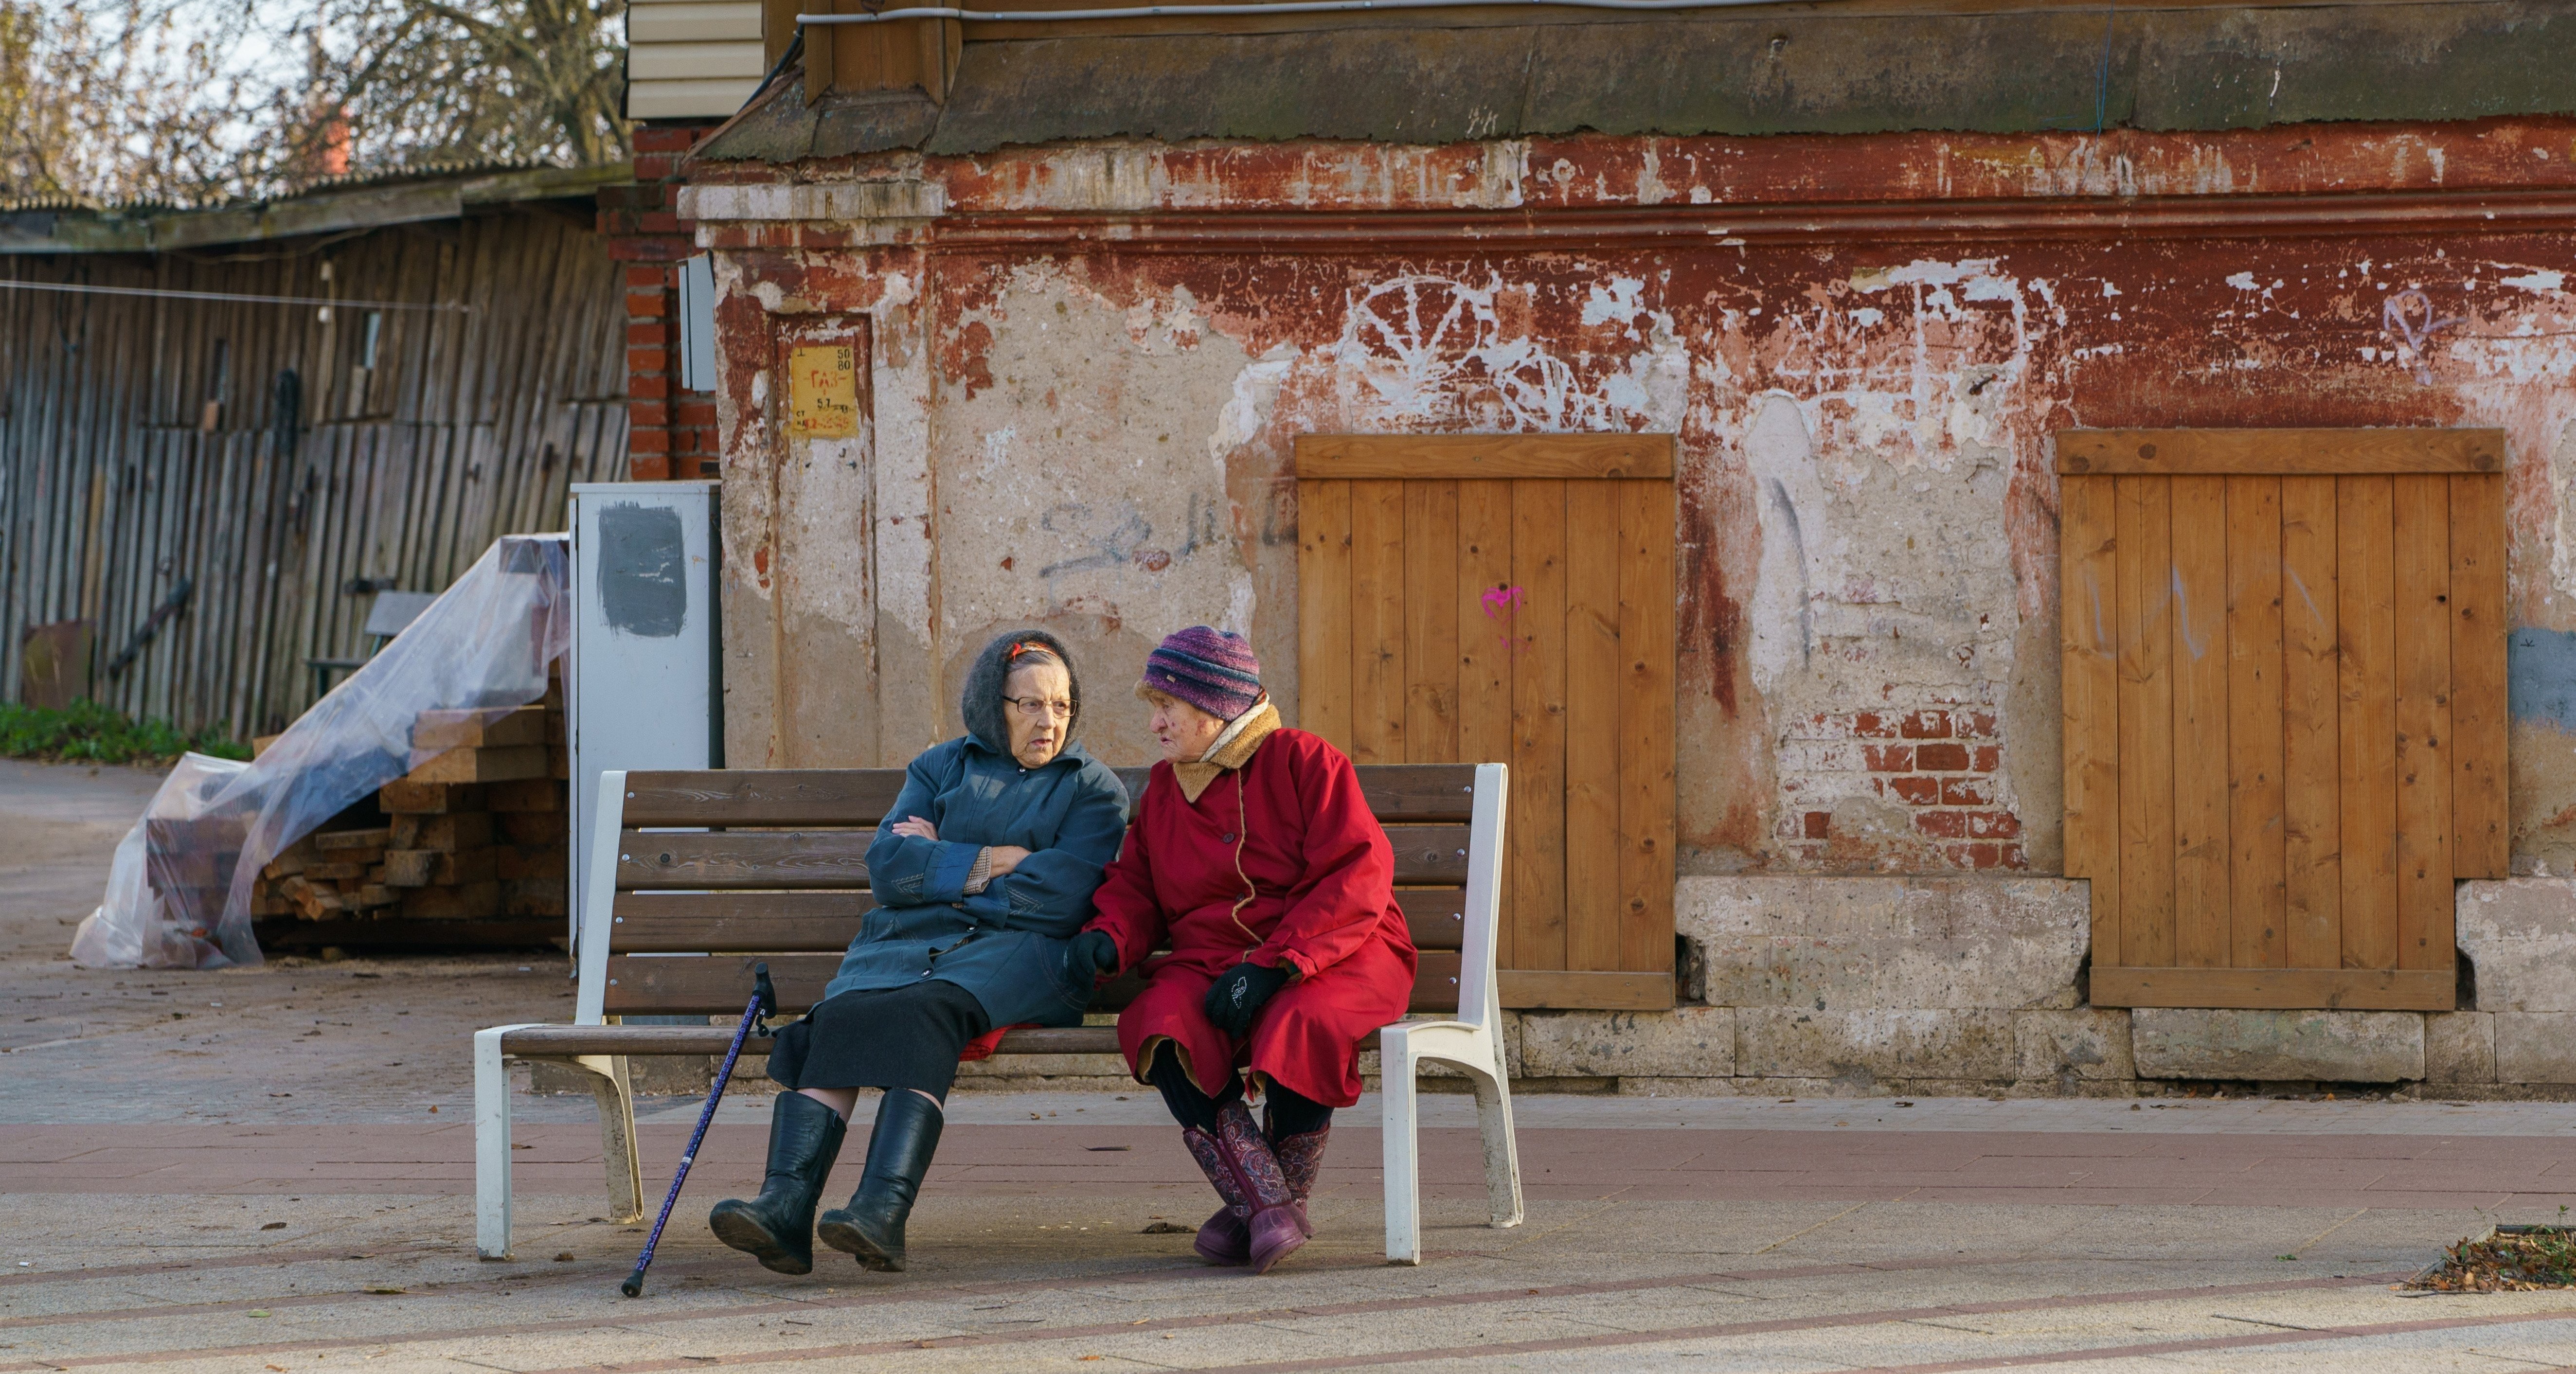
column 190, row 863
column 479, row 824
column 327, row 873
column 476, row 851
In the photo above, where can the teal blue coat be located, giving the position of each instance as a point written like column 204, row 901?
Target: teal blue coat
column 1004, row 944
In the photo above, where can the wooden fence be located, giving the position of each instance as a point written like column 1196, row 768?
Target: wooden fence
column 250, row 472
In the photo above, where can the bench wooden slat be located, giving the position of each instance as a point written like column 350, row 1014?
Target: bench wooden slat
column 740, row 859
column 763, row 796
column 743, row 859
column 1429, row 854
column 721, row 983
column 712, row 1040
column 826, row 920
column 813, row 920
column 1408, row 793
column 1436, row 917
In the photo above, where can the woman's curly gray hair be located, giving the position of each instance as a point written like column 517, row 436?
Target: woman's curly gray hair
column 981, row 701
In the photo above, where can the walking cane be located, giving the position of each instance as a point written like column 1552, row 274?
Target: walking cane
column 764, row 1000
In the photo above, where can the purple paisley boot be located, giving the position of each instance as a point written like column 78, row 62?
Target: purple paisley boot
column 1278, row 1222
column 1301, row 1158
column 1227, row 1236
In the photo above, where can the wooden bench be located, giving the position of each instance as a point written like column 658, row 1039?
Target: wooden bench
column 696, row 876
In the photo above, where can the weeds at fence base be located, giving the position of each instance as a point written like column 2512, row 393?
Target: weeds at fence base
column 86, row 732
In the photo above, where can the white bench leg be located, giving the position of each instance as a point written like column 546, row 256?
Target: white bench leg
column 1502, row 1152
column 491, row 1146
column 1397, row 1132
column 616, row 1096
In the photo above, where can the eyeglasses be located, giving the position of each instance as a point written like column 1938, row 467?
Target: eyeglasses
column 1040, row 706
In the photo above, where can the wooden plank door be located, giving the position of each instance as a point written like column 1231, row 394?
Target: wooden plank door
column 1510, row 598
column 2284, row 658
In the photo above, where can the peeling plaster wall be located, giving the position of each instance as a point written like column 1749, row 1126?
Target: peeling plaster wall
column 1096, row 437
column 1083, row 486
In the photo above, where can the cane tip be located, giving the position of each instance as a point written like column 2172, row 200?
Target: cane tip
column 633, row 1287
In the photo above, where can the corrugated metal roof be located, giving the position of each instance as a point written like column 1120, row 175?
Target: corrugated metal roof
column 356, row 201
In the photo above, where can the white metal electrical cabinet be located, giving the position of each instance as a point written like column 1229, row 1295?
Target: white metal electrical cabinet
column 647, row 683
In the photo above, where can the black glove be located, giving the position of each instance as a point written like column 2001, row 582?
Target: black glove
column 1237, row 994
column 1089, row 955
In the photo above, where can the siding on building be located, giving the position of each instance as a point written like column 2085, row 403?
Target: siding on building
column 691, row 59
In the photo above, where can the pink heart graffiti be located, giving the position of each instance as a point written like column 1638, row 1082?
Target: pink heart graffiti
column 1499, row 605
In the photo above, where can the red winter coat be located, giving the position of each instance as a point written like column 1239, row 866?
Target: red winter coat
column 1323, row 907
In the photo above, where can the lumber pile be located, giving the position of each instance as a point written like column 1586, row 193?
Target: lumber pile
column 474, row 851
column 477, row 833
column 327, row 873
column 190, row 863
column 479, row 825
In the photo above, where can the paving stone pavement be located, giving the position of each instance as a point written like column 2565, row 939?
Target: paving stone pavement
column 264, row 1185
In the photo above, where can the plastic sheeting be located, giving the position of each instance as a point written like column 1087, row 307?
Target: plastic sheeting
column 179, row 890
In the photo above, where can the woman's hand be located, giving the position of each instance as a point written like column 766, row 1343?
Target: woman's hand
column 1089, row 955
column 1005, row 858
column 1236, row 996
column 915, row 828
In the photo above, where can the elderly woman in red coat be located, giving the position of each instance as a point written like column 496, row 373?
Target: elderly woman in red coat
column 1255, row 859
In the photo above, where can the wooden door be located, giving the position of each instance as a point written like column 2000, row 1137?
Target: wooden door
column 1510, row 598
column 2284, row 658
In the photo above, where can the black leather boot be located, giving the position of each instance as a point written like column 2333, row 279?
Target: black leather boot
column 871, row 1227
column 777, row 1227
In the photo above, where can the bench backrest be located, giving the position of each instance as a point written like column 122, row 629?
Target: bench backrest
column 744, row 866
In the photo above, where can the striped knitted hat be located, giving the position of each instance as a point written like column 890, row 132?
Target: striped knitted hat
column 1211, row 669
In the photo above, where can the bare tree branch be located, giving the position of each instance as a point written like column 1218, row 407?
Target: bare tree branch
column 171, row 100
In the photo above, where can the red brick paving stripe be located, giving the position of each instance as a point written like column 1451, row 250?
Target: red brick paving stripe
column 2124, row 1352
column 1842, row 1319
column 1180, row 1272
column 1717, row 1165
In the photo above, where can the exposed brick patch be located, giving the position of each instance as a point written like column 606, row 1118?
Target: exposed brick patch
column 1935, row 760
column 670, row 433
column 1992, row 825
column 1941, row 758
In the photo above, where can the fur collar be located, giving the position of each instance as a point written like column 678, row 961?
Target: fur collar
column 1232, row 750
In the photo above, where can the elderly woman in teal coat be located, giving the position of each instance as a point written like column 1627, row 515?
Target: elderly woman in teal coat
column 982, row 870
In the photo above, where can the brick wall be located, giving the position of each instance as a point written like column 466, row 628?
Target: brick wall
column 671, row 433
column 1938, row 766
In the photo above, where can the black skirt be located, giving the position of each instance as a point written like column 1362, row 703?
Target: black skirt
column 906, row 1037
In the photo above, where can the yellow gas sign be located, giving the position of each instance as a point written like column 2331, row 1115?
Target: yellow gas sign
column 823, row 392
